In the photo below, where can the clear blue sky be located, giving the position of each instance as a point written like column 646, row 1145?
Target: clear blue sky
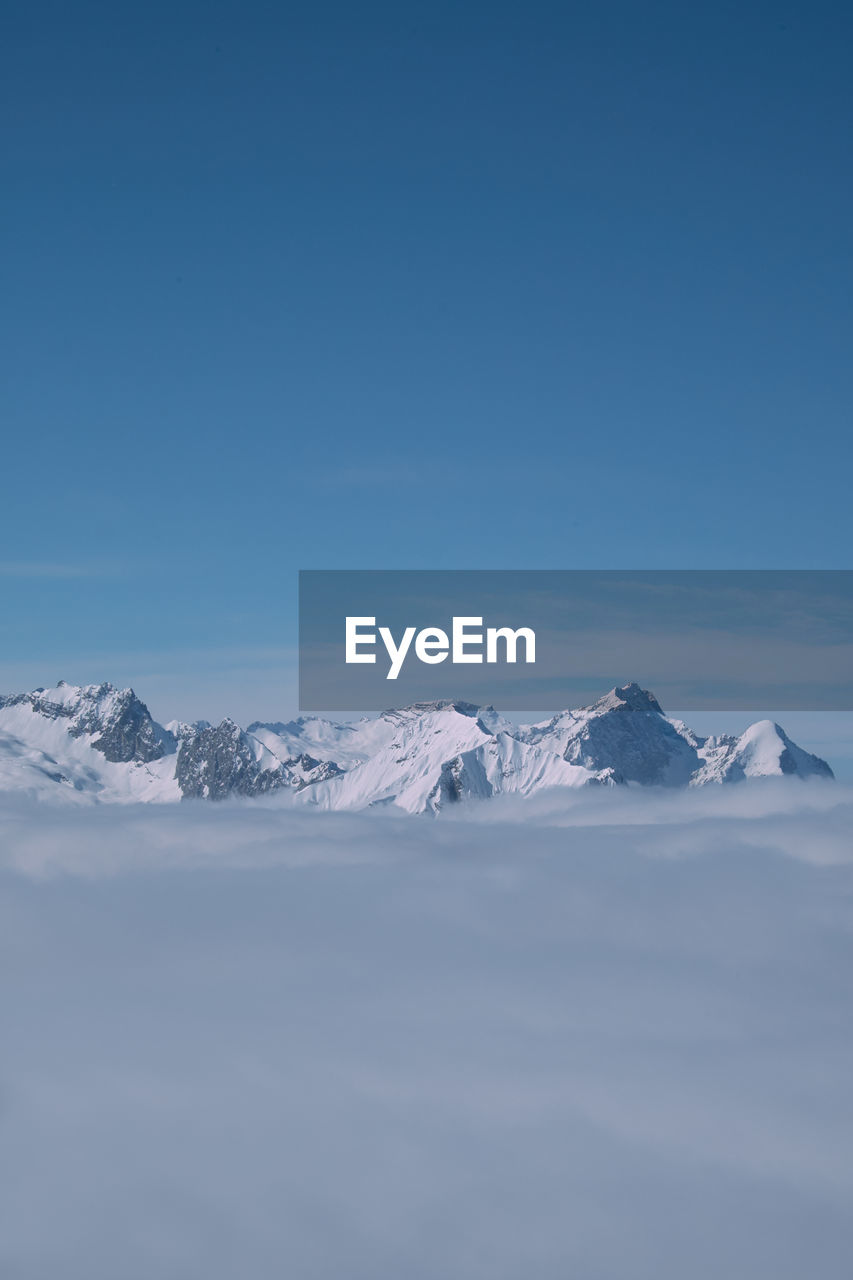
column 390, row 285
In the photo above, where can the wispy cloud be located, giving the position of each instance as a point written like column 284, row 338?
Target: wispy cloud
column 55, row 569
column 360, row 477
column 806, row 821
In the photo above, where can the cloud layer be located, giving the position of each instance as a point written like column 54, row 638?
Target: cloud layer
column 599, row 1036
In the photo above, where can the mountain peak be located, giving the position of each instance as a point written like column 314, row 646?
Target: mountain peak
column 415, row 709
column 102, row 741
column 629, row 696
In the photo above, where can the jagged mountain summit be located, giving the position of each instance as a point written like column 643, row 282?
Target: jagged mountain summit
column 97, row 743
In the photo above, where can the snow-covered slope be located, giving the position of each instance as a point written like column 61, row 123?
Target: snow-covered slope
column 438, row 752
column 762, row 750
column 625, row 734
column 97, row 743
column 346, row 744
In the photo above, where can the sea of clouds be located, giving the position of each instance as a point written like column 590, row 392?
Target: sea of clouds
column 605, row 1035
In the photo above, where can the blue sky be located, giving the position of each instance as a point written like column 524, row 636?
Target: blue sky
column 406, row 286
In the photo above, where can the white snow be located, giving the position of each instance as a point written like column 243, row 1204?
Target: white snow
column 419, row 758
column 38, row 756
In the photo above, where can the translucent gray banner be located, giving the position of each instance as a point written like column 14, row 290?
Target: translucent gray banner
column 698, row 639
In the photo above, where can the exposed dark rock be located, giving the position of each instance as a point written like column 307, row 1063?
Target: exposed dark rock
column 120, row 723
column 219, row 761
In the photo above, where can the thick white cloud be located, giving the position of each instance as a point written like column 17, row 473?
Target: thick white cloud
column 597, row 1036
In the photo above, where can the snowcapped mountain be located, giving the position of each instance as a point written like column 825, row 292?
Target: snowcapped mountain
column 97, row 743
column 762, row 750
column 433, row 753
column 623, row 737
column 75, row 743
